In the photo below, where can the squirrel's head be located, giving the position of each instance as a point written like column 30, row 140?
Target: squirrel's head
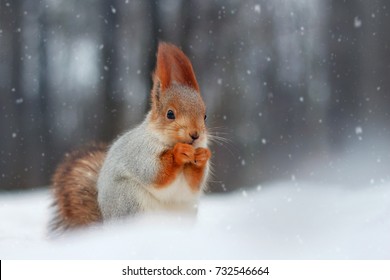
column 178, row 112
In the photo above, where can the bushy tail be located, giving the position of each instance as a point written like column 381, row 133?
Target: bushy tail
column 74, row 188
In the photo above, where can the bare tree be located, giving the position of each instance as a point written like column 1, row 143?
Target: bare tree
column 155, row 34
column 44, row 109
column 344, row 75
column 12, row 99
column 112, row 99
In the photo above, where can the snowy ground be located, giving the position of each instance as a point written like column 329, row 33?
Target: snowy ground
column 279, row 221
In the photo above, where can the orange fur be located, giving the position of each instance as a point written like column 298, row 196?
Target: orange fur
column 194, row 172
column 172, row 162
column 74, row 187
column 183, row 157
column 174, row 66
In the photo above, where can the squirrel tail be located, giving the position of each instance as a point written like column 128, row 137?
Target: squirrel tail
column 74, row 188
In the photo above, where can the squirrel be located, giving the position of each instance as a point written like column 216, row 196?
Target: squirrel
column 162, row 164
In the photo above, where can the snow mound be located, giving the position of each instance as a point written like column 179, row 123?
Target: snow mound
column 280, row 221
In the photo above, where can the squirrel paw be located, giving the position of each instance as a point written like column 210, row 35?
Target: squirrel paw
column 201, row 156
column 183, row 153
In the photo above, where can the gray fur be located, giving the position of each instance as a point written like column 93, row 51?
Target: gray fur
column 128, row 171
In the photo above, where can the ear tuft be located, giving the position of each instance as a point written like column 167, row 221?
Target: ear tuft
column 174, row 66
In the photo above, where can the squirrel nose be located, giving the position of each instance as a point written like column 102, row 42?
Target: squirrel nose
column 194, row 135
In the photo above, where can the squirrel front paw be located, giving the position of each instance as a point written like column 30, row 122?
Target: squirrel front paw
column 183, row 153
column 201, row 156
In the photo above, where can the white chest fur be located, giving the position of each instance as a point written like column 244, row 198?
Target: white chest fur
column 178, row 191
column 177, row 196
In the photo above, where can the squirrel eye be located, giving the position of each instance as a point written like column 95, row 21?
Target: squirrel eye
column 170, row 115
column 205, row 117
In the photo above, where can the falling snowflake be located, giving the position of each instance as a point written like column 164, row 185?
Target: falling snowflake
column 113, row 10
column 257, row 8
column 357, row 22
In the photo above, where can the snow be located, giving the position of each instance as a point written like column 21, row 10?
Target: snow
column 357, row 22
column 358, row 130
column 113, row 10
column 286, row 220
column 257, row 8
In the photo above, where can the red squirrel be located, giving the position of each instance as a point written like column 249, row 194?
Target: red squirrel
column 162, row 164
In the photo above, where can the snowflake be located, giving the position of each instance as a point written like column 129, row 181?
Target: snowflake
column 358, row 130
column 357, row 22
column 257, row 8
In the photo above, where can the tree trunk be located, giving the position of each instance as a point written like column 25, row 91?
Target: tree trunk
column 154, row 37
column 344, row 74
column 112, row 99
column 12, row 138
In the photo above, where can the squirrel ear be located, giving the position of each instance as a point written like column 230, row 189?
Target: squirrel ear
column 156, row 91
column 173, row 66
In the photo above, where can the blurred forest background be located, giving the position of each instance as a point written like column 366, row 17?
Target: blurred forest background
column 299, row 87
